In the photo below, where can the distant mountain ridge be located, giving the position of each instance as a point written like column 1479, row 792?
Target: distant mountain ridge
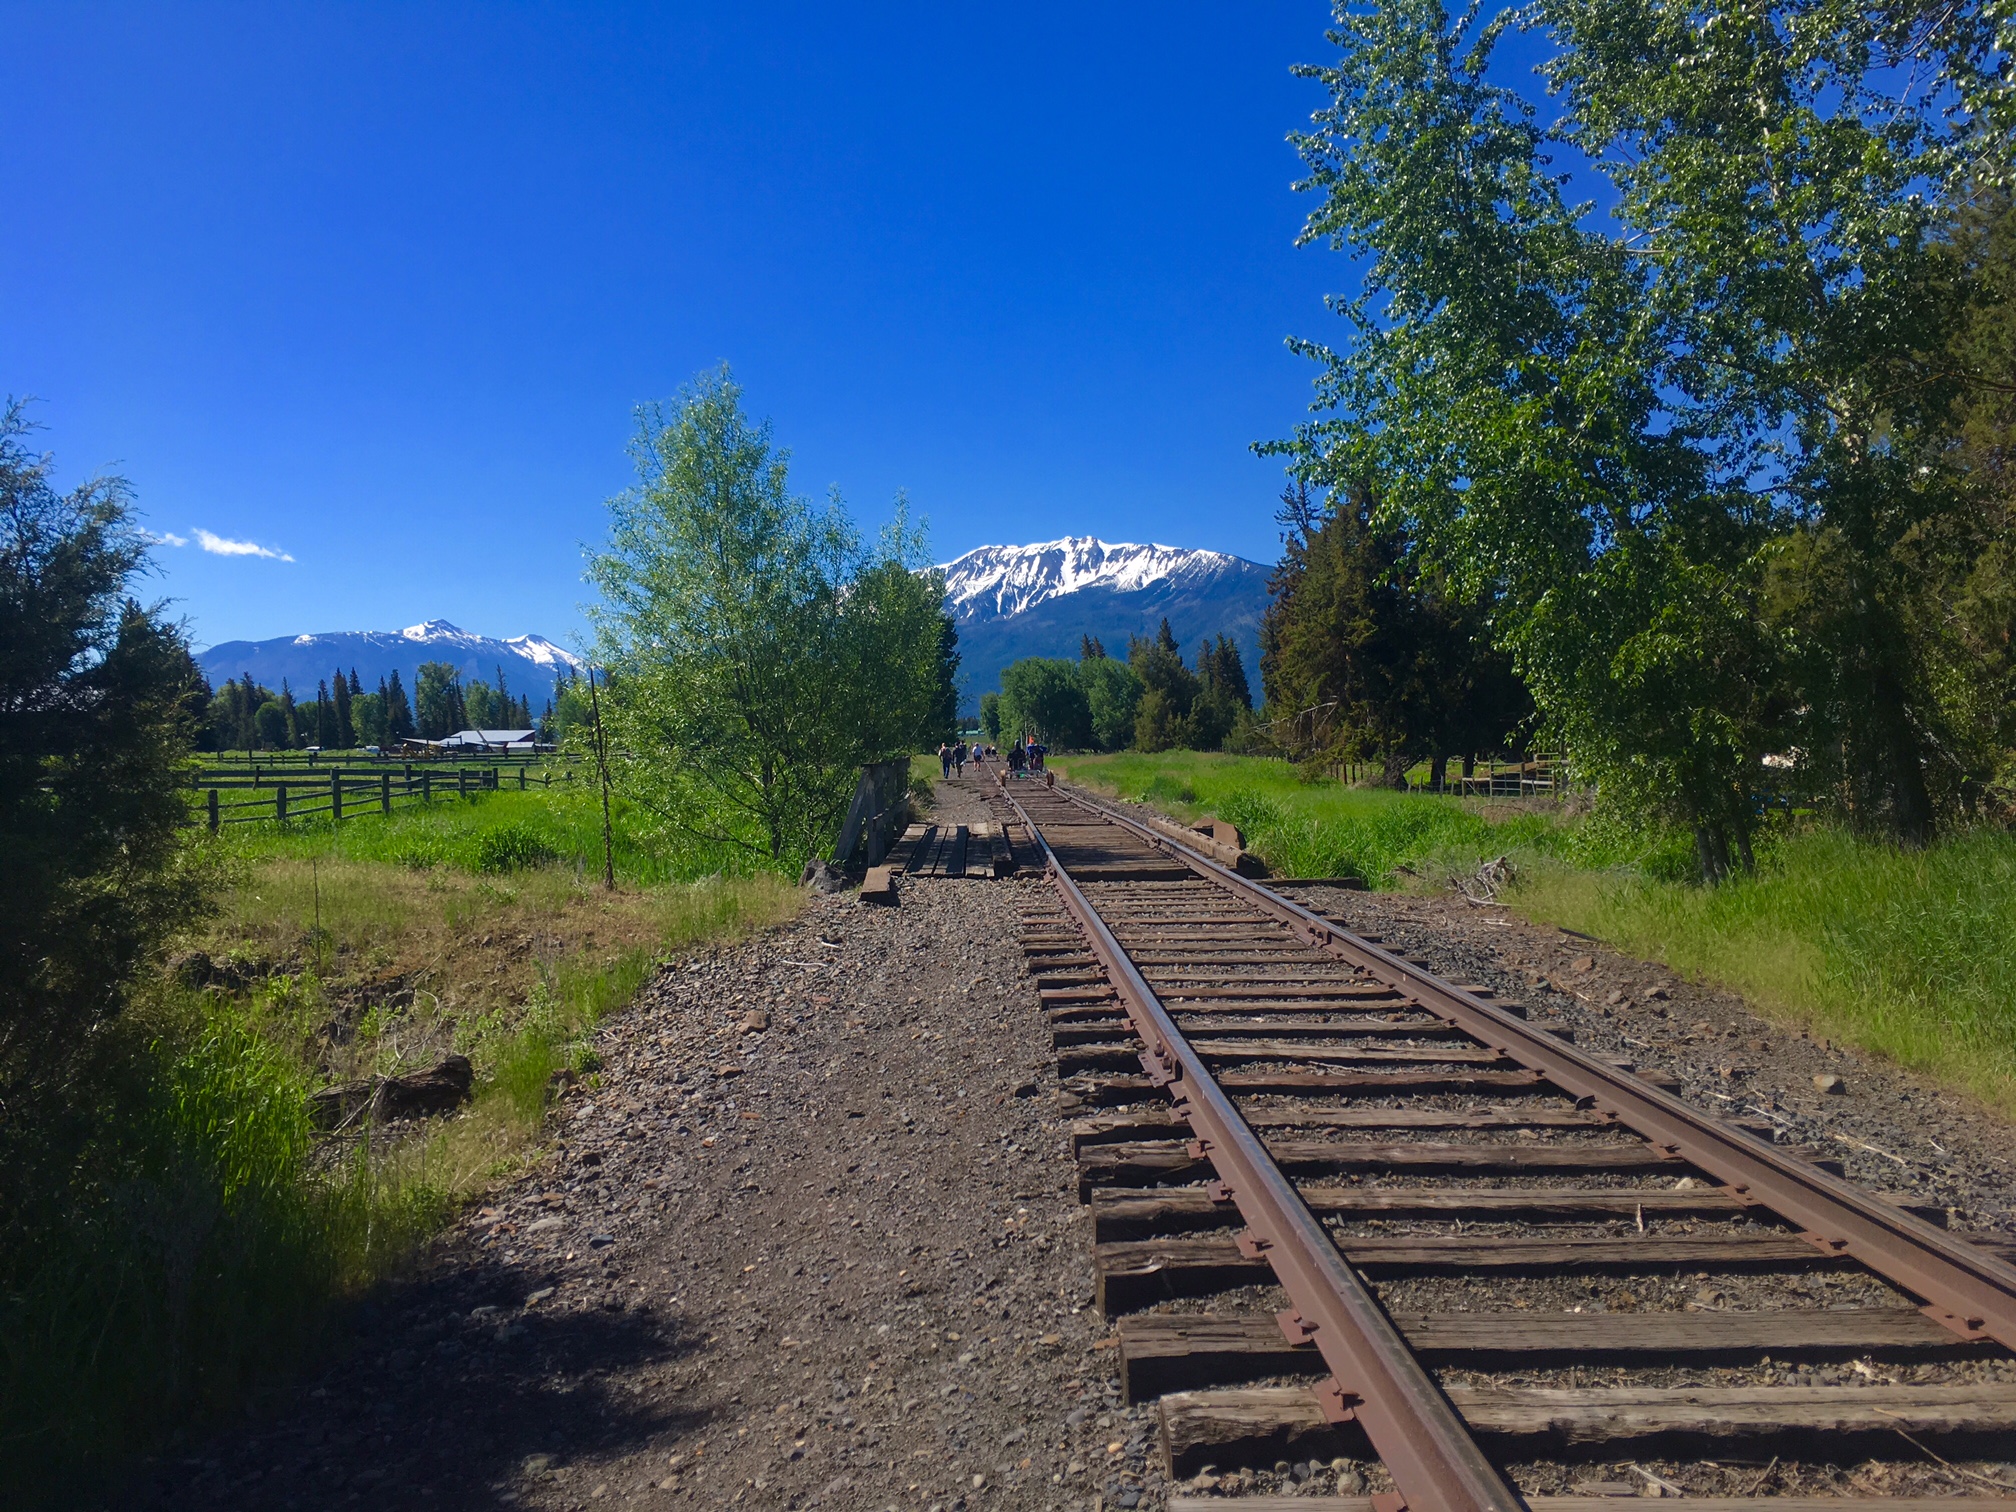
column 530, row 662
column 1040, row 600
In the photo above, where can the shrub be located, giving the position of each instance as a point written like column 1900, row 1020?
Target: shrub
column 511, row 847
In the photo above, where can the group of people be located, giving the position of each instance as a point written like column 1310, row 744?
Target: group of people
column 957, row 754
column 1023, row 756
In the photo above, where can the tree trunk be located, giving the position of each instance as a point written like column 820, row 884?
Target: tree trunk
column 1711, row 845
column 1438, row 772
column 1394, row 774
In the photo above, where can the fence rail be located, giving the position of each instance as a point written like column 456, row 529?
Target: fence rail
column 349, row 794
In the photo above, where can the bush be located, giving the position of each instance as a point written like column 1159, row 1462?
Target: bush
column 510, row 847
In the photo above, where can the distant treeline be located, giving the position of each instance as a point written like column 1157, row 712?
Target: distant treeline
column 1151, row 701
column 246, row 716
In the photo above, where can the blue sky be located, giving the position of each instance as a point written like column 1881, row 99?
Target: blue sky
column 377, row 287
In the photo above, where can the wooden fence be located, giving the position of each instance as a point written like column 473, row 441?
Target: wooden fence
column 1510, row 779
column 347, row 793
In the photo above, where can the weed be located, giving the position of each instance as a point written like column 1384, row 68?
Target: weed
column 511, row 847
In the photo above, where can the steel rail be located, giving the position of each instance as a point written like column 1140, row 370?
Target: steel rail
column 1966, row 1289
column 1378, row 1382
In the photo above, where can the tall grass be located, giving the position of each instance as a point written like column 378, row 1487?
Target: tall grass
column 1911, row 954
column 1316, row 828
column 191, row 1251
column 189, row 1257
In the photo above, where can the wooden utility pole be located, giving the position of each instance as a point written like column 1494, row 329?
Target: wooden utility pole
column 602, row 768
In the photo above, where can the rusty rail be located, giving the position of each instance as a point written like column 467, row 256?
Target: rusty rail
column 1377, row 1380
column 1964, row 1288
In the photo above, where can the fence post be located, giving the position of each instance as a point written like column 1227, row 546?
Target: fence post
column 280, row 803
column 213, row 811
column 336, row 795
column 384, row 792
column 521, row 777
column 461, row 782
column 426, row 785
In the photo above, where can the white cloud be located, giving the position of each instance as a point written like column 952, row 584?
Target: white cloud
column 166, row 538
column 218, row 545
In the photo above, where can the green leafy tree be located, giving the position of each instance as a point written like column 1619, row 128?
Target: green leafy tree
column 367, row 716
column 1773, row 183
column 1505, row 398
column 438, row 700
column 1042, row 696
column 290, row 713
column 1162, row 719
column 749, row 684
column 990, row 717
column 325, row 716
column 897, row 636
column 1365, row 656
column 1112, row 697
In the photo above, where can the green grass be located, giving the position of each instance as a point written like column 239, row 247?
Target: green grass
column 1321, row 828
column 1910, row 955
column 493, row 832
column 190, row 1256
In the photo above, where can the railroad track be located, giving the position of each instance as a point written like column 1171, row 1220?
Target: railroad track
column 1349, row 1215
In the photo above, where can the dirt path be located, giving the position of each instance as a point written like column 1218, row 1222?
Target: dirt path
column 812, row 1242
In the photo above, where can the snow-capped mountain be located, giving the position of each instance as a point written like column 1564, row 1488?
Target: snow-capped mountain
column 530, row 662
column 1015, row 601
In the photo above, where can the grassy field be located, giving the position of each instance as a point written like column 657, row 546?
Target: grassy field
column 226, row 1221
column 1320, row 829
column 1909, row 955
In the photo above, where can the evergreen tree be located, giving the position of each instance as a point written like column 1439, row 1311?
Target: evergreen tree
column 1169, row 691
column 1090, row 649
column 398, row 712
column 357, row 687
column 325, row 717
column 345, row 734
column 1223, row 671
column 251, row 698
column 290, row 718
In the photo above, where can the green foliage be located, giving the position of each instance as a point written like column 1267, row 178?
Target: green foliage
column 438, row 704
column 96, row 723
column 758, row 657
column 1911, row 954
column 1699, row 453
column 1112, row 698
column 990, row 717
column 511, row 846
column 1366, row 655
column 396, row 714
column 1319, row 828
column 1043, row 697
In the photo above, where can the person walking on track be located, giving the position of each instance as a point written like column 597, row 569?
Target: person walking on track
column 944, row 758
